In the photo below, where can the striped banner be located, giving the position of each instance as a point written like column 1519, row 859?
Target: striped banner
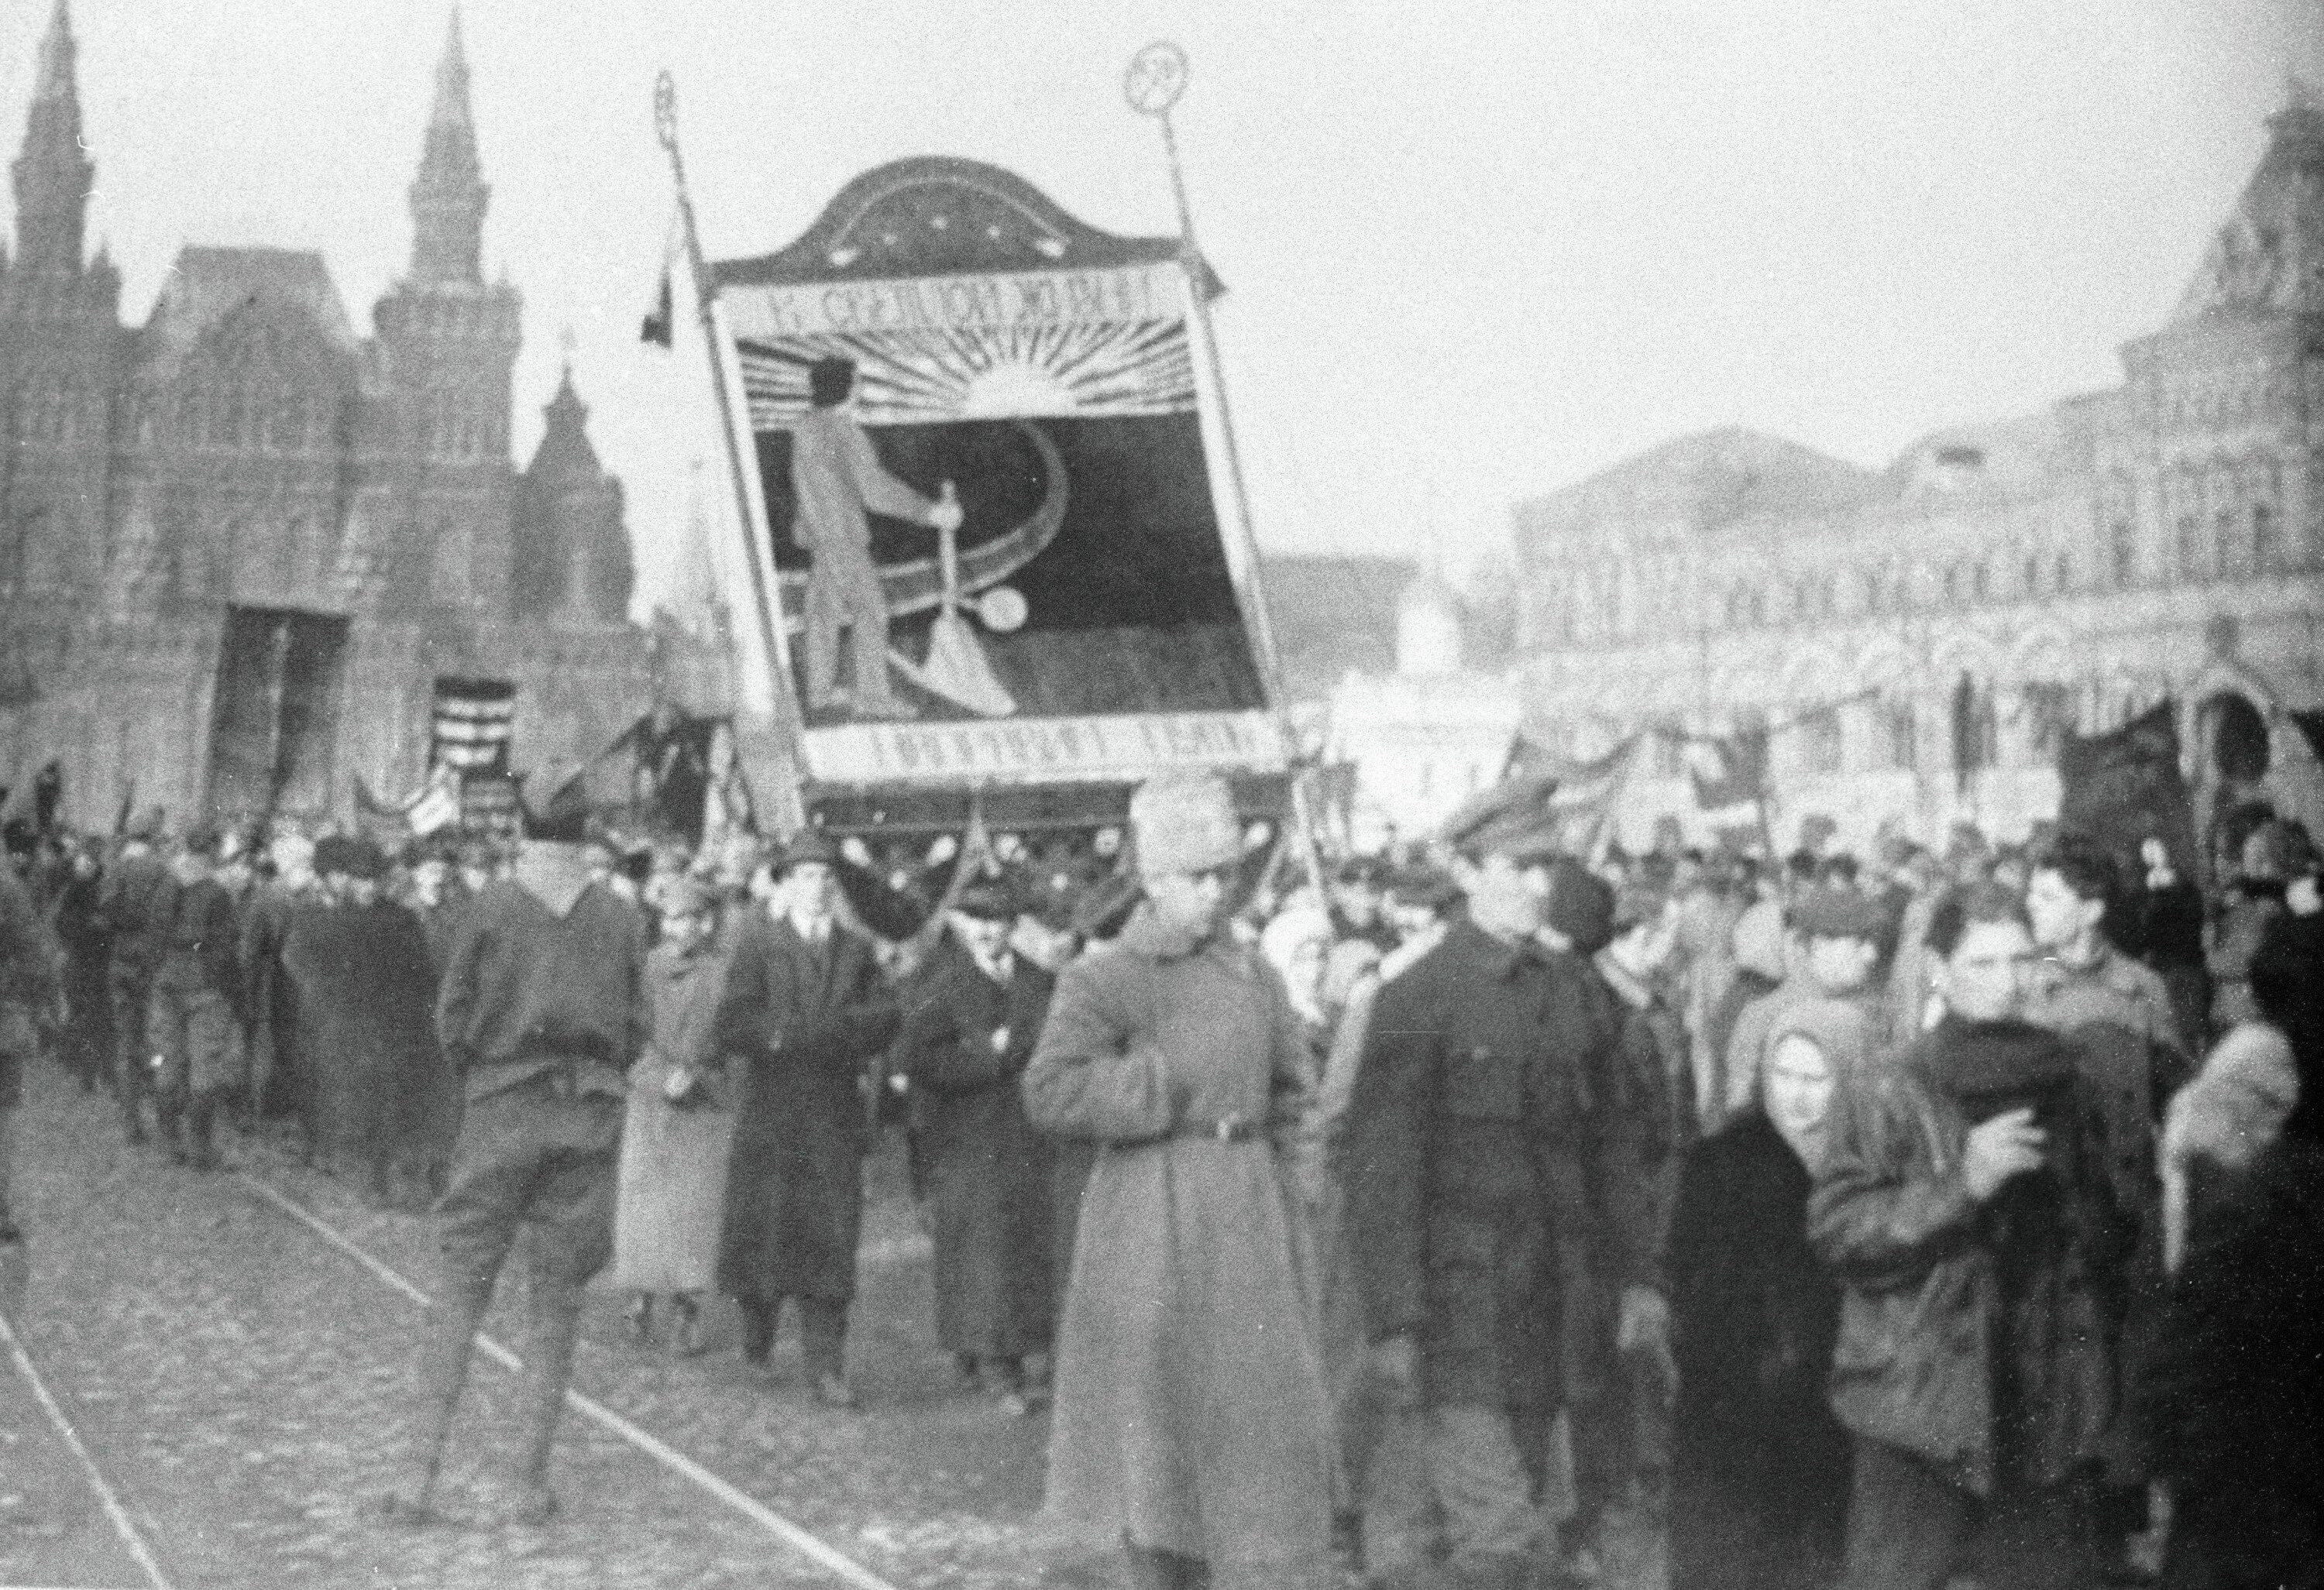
column 472, row 723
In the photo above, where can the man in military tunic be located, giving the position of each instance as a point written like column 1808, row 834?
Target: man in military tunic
column 1494, row 1178
column 541, row 1011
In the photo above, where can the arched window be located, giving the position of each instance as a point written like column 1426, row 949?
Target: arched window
column 2061, row 576
column 2265, row 554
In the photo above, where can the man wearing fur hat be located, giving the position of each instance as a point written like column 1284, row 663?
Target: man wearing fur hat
column 541, row 1011
column 807, row 1010
column 1495, row 1187
column 1192, row 1426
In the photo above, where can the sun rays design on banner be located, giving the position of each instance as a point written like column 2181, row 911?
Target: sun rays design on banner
column 931, row 376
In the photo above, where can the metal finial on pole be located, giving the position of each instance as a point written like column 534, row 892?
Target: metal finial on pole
column 1153, row 84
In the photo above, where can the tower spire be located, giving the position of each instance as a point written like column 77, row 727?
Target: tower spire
column 53, row 171
column 449, row 195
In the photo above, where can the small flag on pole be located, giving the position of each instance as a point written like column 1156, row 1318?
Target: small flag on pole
column 656, row 328
column 1738, row 770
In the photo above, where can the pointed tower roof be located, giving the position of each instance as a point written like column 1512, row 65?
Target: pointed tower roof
column 451, row 106
column 565, row 456
column 56, row 54
column 53, row 171
column 2268, row 257
column 449, row 194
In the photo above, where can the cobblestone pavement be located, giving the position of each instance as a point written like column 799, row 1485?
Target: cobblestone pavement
column 243, row 1386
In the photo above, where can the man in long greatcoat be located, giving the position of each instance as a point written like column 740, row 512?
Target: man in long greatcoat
column 804, row 1012
column 975, row 1013
column 1192, row 1425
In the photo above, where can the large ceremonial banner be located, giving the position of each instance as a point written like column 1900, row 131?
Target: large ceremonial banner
column 1086, row 622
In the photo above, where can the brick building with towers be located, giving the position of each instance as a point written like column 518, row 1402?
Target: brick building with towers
column 1921, row 635
column 240, row 543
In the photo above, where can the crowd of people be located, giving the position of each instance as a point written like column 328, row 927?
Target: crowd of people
column 1869, row 1220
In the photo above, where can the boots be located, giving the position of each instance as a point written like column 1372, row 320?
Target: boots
column 201, row 1119
column 170, row 1124
column 686, row 1340
column 1491, row 1571
column 549, row 1337
column 1153, row 1568
column 452, row 1327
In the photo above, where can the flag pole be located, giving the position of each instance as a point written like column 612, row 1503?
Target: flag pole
column 1153, row 84
column 762, row 599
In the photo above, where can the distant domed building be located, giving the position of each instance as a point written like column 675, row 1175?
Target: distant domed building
column 240, row 545
column 1921, row 637
column 1421, row 739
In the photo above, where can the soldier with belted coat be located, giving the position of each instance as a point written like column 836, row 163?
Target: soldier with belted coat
column 1496, row 1192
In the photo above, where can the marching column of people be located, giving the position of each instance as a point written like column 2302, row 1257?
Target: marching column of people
column 1471, row 1217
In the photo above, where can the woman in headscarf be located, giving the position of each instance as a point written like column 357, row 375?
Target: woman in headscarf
column 1759, row 1466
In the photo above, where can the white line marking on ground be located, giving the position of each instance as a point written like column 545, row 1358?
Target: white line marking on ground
column 799, row 1540
column 106, row 1496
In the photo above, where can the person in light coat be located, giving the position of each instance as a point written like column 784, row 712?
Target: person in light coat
column 1191, row 1421
column 670, row 1192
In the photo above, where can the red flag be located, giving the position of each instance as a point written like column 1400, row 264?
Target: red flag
column 1742, row 770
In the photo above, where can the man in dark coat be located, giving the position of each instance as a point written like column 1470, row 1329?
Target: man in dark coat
column 28, row 994
column 1494, row 1181
column 281, row 1077
column 193, row 1016
column 80, row 929
column 1967, row 1205
column 974, row 1016
column 541, row 1011
column 365, row 989
column 807, row 1011
column 134, row 908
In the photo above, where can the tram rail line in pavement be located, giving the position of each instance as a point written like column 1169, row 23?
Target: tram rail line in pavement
column 115, row 1511
column 799, row 1540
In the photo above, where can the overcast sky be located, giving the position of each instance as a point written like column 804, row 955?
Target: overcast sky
column 1469, row 259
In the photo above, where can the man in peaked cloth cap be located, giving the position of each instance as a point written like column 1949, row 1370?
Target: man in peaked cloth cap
column 1495, row 1182
column 1191, row 1421
column 541, row 1011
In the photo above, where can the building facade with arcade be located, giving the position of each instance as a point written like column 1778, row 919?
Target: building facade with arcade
column 1920, row 637
column 240, row 543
